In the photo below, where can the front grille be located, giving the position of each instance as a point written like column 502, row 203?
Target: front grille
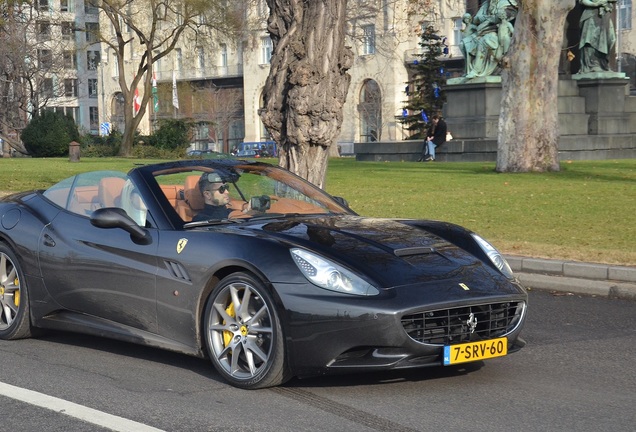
column 464, row 324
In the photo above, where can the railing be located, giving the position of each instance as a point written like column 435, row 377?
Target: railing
column 202, row 73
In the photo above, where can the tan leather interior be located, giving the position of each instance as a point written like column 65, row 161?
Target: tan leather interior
column 109, row 191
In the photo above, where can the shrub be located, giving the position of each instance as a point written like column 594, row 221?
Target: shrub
column 172, row 134
column 49, row 134
column 141, row 150
column 101, row 146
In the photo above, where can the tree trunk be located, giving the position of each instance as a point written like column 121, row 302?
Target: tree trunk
column 529, row 123
column 132, row 121
column 307, row 83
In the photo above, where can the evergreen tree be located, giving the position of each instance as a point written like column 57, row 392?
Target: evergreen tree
column 425, row 90
column 49, row 134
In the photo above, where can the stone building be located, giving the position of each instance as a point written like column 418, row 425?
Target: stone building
column 219, row 84
column 68, row 57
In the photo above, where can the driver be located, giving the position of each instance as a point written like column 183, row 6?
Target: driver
column 216, row 197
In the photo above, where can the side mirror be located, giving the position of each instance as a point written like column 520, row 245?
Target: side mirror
column 113, row 217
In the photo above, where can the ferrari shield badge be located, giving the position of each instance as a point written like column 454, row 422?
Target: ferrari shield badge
column 181, row 244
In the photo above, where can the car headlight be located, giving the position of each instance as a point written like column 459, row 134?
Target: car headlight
column 497, row 259
column 329, row 275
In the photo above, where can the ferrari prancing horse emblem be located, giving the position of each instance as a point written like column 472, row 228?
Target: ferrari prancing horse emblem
column 181, row 244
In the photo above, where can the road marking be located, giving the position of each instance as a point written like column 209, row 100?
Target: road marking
column 71, row 409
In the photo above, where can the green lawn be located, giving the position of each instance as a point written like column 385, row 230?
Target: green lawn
column 585, row 212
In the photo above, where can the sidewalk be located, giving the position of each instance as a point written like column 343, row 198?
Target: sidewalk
column 576, row 277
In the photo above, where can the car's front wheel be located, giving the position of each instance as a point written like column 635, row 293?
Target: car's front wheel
column 244, row 337
column 15, row 322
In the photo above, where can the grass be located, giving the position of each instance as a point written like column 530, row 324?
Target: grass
column 585, row 212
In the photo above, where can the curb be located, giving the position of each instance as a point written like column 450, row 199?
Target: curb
column 601, row 280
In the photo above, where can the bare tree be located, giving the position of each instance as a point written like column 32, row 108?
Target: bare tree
column 528, row 124
column 156, row 27
column 307, row 83
column 29, row 61
column 218, row 107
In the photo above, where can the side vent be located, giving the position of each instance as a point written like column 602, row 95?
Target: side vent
column 177, row 271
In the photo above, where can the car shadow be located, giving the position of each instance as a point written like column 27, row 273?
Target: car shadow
column 384, row 377
column 203, row 366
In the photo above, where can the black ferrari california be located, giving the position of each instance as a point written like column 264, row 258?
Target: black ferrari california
column 247, row 264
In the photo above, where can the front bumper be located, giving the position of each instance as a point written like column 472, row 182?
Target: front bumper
column 328, row 333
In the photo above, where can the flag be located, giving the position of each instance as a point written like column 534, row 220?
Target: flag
column 424, row 117
column 155, row 95
column 136, row 102
column 175, row 96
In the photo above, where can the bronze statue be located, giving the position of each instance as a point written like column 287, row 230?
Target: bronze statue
column 487, row 37
column 597, row 35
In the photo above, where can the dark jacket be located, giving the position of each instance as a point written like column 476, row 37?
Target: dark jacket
column 438, row 132
column 211, row 212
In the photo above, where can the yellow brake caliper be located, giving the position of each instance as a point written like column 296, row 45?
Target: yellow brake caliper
column 16, row 294
column 228, row 335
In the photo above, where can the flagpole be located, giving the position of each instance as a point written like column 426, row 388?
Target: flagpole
column 175, row 95
column 155, row 101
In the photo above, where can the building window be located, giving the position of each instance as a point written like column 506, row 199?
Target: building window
column 368, row 39
column 157, row 66
column 200, row 58
column 266, row 50
column 70, row 87
column 425, row 25
column 70, row 60
column 625, row 13
column 265, row 135
column 92, row 33
column 68, row 28
column 370, row 110
column 44, row 30
column 46, row 89
column 93, row 118
column 223, row 55
column 45, row 59
column 92, row 88
column 242, row 49
column 457, row 31
column 90, row 7
column 72, row 111
column 178, row 60
column 66, row 5
column 179, row 15
column 124, row 24
column 43, row 5
column 92, row 60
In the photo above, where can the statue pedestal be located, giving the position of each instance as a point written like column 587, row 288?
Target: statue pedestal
column 589, row 104
column 605, row 94
column 473, row 106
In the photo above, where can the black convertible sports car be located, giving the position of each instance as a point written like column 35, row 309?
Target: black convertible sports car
column 285, row 281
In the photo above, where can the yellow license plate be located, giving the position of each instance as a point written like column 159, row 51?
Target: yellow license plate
column 474, row 351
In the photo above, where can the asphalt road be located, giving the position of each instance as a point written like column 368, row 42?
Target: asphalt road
column 576, row 373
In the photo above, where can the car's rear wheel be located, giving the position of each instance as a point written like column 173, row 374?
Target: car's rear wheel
column 243, row 333
column 15, row 322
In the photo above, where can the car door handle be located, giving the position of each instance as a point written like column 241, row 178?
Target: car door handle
column 48, row 241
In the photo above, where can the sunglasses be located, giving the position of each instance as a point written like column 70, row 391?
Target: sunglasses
column 223, row 188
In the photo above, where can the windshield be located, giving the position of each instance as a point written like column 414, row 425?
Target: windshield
column 235, row 192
